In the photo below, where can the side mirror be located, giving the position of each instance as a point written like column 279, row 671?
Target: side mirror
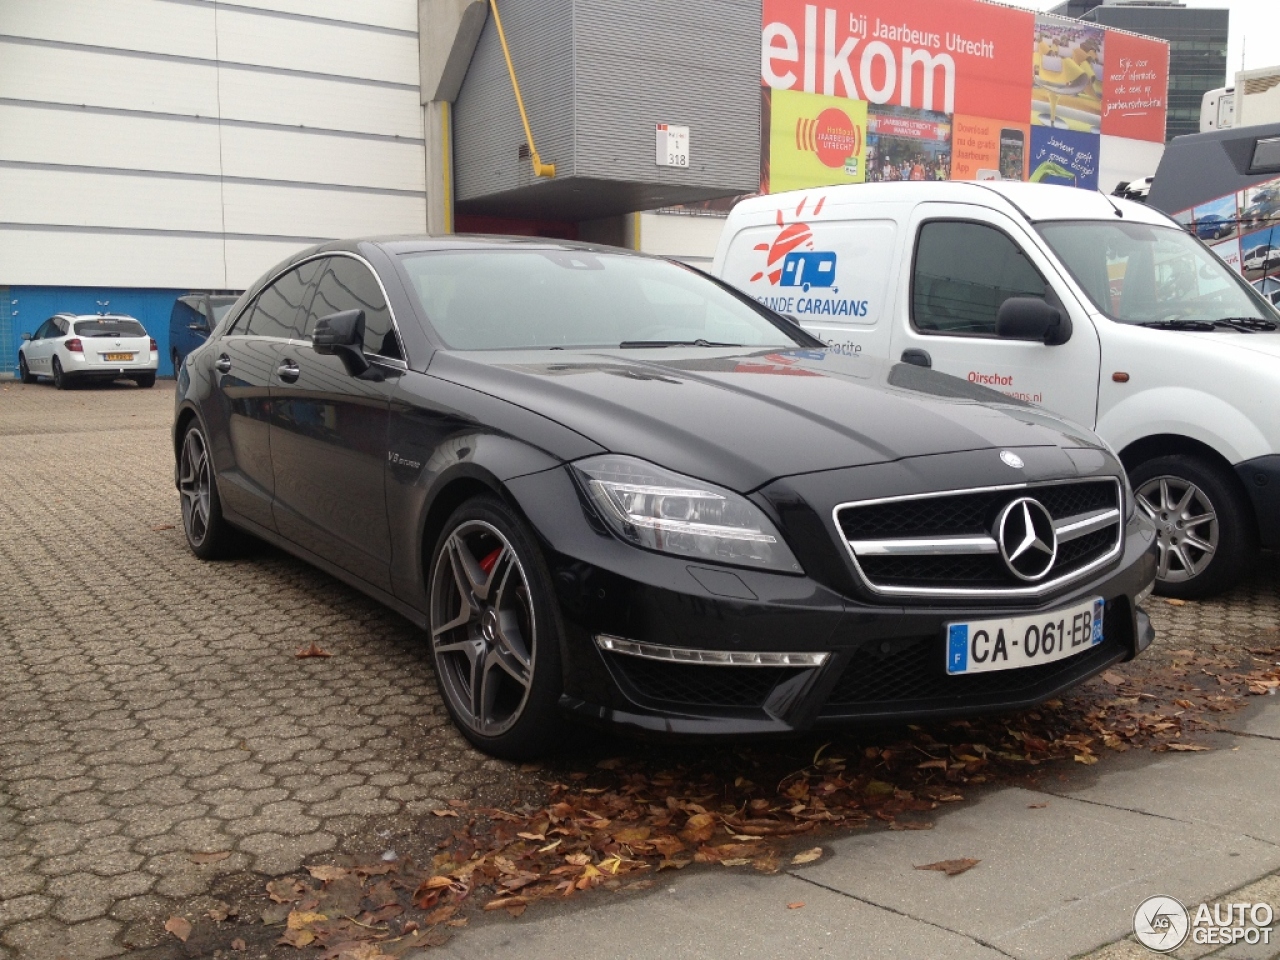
column 26, row 336
column 1030, row 318
column 342, row 335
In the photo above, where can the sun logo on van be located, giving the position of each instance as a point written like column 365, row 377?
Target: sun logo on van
column 790, row 237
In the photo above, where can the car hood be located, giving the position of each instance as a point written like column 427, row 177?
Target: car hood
column 742, row 418
column 1267, row 344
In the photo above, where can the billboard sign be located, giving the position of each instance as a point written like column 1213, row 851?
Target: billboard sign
column 948, row 89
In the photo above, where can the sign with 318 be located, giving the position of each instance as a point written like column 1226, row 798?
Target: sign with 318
column 672, row 146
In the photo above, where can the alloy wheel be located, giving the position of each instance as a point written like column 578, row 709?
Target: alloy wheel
column 483, row 629
column 58, row 380
column 1186, row 526
column 194, row 483
column 24, row 373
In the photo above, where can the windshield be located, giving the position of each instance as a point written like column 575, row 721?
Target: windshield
column 540, row 299
column 1137, row 273
column 109, row 327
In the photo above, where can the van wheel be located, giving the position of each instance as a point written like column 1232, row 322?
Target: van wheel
column 1204, row 527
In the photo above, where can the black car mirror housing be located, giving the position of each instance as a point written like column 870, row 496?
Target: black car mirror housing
column 342, row 335
column 1030, row 318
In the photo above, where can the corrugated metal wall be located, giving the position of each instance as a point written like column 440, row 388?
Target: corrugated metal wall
column 487, row 130
column 597, row 76
column 192, row 143
column 681, row 62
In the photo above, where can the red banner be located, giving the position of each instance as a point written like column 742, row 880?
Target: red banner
column 1134, row 87
column 950, row 56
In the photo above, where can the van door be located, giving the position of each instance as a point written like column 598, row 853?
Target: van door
column 966, row 261
column 833, row 276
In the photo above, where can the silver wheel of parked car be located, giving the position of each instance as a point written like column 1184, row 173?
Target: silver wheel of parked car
column 483, row 627
column 195, row 483
column 1186, row 526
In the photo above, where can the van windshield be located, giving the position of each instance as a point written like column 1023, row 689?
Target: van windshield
column 1142, row 274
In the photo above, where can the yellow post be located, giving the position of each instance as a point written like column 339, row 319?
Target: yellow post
column 540, row 169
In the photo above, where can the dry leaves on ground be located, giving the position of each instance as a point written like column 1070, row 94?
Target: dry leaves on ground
column 312, row 651
column 951, row 867
column 179, row 927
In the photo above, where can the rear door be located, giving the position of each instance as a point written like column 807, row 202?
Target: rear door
column 245, row 363
column 967, row 260
column 329, row 430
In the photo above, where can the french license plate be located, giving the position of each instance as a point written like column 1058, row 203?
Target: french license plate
column 125, row 357
column 981, row 646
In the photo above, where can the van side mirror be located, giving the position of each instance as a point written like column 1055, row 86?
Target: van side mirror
column 342, row 335
column 1030, row 318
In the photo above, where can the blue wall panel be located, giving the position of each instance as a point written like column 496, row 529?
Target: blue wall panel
column 32, row 306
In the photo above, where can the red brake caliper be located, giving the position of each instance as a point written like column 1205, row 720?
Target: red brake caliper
column 487, row 563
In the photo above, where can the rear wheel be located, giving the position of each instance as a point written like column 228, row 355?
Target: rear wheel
column 495, row 631
column 1204, row 527
column 24, row 372
column 60, row 380
column 177, row 362
column 208, row 533
column 146, row 380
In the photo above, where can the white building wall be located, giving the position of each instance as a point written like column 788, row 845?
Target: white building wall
column 692, row 239
column 188, row 144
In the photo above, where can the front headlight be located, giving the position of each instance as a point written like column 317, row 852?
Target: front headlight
column 654, row 508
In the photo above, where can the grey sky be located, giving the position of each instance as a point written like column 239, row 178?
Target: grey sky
column 1259, row 20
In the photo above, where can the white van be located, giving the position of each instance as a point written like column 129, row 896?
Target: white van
column 1101, row 310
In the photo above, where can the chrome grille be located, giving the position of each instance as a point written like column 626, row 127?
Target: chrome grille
column 945, row 544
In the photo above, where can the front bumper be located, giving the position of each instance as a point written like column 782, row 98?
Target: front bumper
column 1261, row 477
column 884, row 661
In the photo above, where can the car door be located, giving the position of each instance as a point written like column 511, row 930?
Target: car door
column 329, row 430
column 38, row 348
column 245, row 365
column 966, row 262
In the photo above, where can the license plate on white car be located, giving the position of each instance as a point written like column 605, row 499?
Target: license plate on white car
column 981, row 646
column 125, row 357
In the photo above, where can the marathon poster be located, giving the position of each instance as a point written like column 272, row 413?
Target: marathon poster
column 949, row 89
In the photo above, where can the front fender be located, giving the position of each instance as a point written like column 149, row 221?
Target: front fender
column 1186, row 412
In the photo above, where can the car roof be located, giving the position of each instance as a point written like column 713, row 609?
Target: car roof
column 1035, row 201
column 465, row 241
column 78, row 317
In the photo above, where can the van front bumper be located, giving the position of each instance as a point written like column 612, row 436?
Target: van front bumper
column 1261, row 477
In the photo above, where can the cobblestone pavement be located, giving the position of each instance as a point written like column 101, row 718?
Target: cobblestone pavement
column 151, row 706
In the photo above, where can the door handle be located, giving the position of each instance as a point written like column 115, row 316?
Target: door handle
column 919, row 358
column 288, row 371
column 222, row 364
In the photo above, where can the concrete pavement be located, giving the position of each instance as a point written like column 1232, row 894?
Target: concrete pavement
column 1062, row 870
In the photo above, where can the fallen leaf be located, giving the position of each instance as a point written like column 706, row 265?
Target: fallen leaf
column 179, row 927
column 312, row 651
column 220, row 911
column 807, row 856
column 502, row 903
column 238, row 944
column 1113, row 678
column 203, row 858
column 327, row 874
column 443, row 914
column 163, row 526
column 1188, row 747
column 951, row 867
column 699, row 827
column 795, row 906
column 297, row 938
column 301, row 919
column 445, row 813
column 1085, row 758
column 1174, row 602
column 1036, row 806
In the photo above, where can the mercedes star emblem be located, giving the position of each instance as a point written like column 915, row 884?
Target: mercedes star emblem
column 1011, row 459
column 1024, row 532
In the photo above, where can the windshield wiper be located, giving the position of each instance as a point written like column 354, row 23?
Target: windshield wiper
column 1249, row 323
column 1201, row 325
column 635, row 344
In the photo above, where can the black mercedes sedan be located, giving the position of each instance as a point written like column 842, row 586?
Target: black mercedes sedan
column 607, row 486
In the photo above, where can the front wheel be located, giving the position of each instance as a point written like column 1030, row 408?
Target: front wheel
column 24, row 372
column 495, row 631
column 1204, row 527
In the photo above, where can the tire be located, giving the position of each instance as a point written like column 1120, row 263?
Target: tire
column 177, row 363
column 24, row 372
column 1210, row 553
column 492, row 609
column 208, row 534
column 60, row 380
column 145, row 381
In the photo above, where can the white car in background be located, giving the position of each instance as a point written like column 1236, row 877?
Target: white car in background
column 71, row 349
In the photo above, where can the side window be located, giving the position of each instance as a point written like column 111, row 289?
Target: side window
column 60, row 328
column 278, row 311
column 347, row 284
column 46, row 330
column 963, row 273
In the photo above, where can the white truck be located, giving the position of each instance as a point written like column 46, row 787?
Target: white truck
column 1102, row 311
